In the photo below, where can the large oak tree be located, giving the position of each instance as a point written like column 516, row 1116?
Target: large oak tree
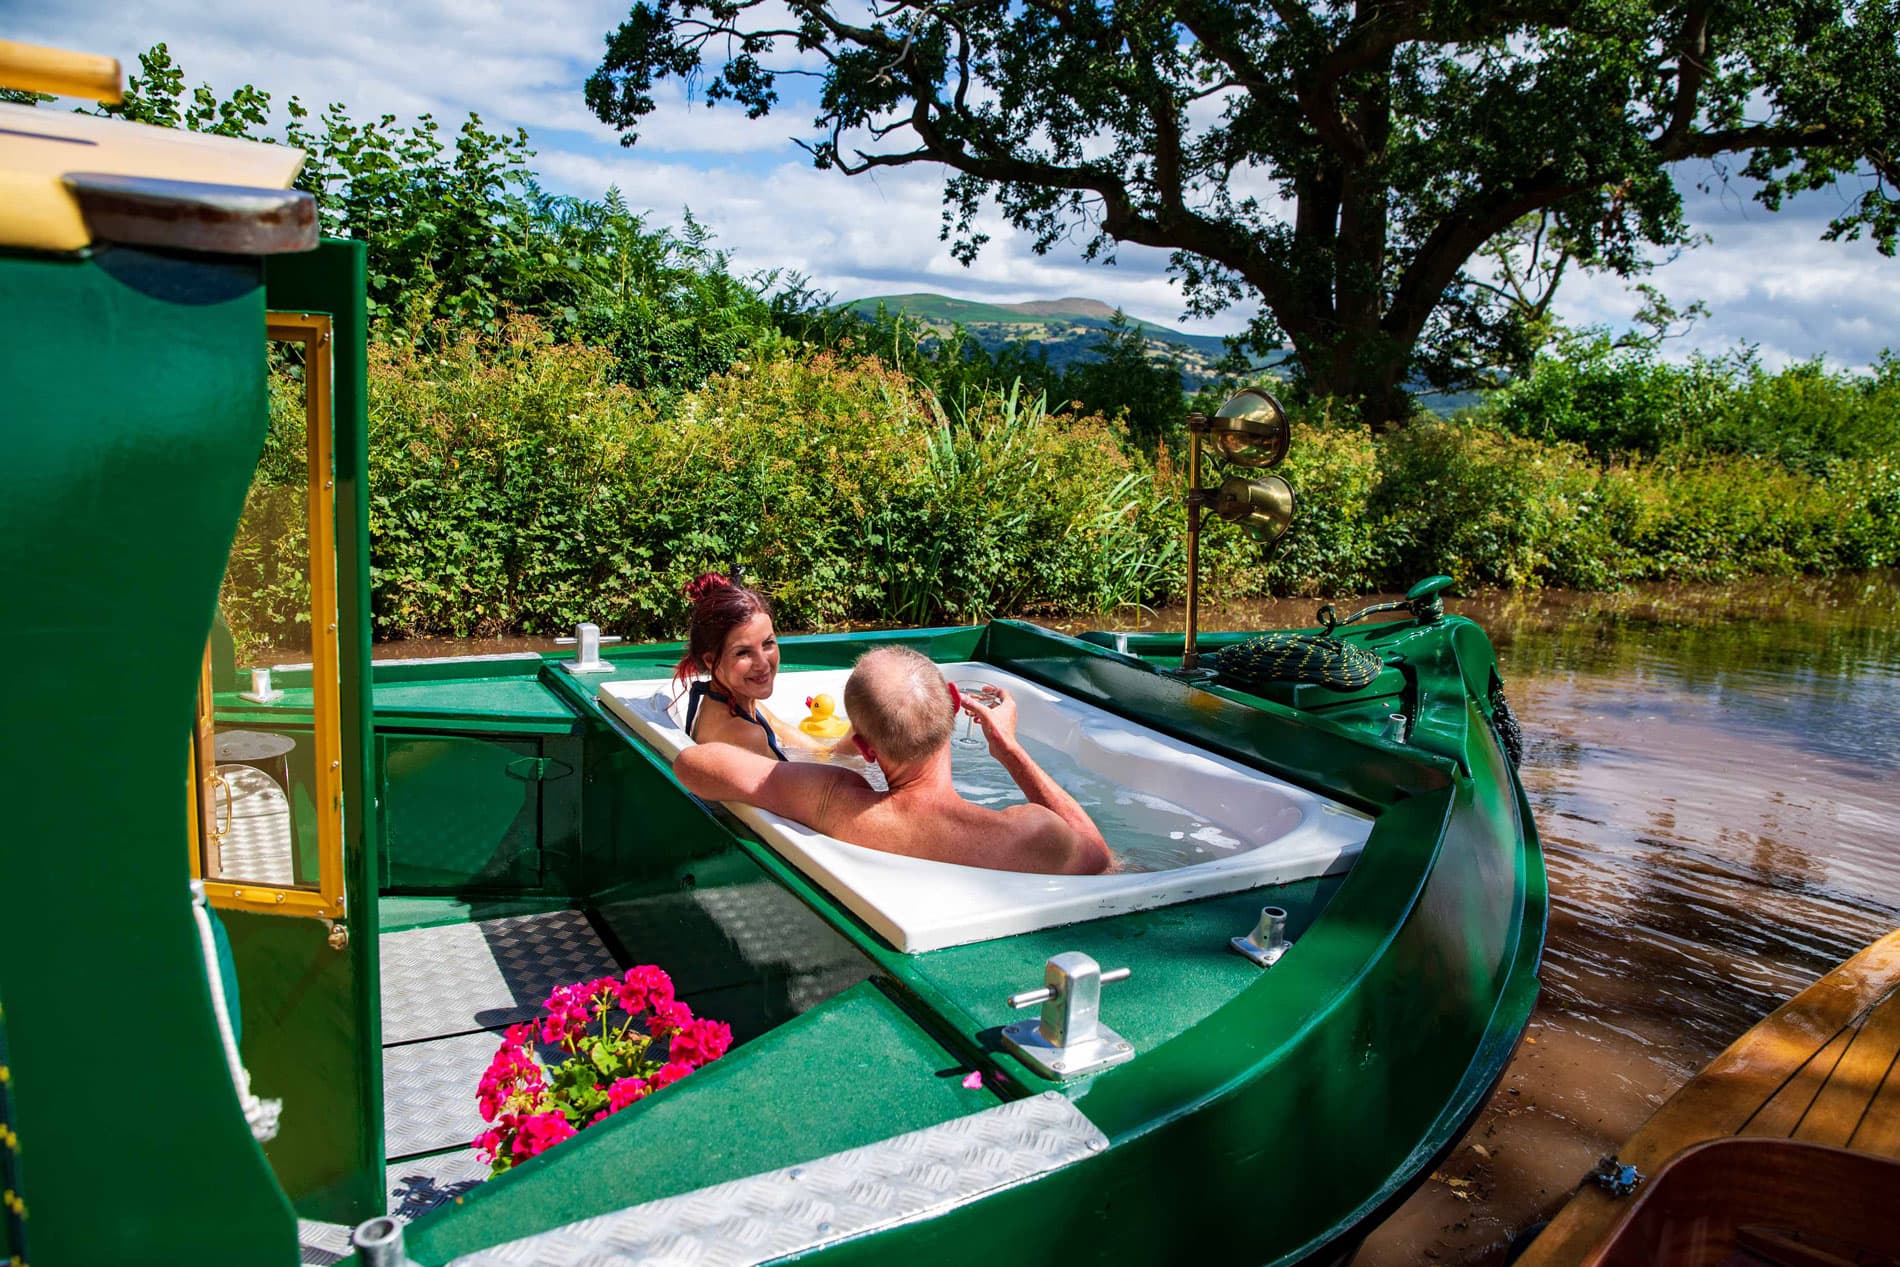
column 1344, row 162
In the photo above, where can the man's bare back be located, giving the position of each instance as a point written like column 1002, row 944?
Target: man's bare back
column 921, row 816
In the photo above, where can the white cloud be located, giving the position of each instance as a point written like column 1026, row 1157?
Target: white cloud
column 1768, row 279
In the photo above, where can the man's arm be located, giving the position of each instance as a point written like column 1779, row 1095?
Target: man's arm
column 1091, row 853
column 801, row 791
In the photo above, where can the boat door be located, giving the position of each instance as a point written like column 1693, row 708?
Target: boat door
column 282, row 839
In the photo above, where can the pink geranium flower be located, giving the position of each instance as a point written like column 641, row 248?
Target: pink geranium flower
column 700, row 1041
column 541, row 1132
column 670, row 1072
column 568, row 1014
column 668, row 1018
column 488, row 1144
column 532, row 1107
column 644, row 986
column 625, row 1091
column 513, row 1074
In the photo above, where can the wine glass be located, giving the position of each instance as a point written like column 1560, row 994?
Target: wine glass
column 975, row 693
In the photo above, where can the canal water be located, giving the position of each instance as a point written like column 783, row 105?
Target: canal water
column 1713, row 772
column 1714, row 776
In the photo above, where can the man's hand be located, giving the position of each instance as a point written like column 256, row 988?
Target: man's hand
column 1084, row 850
column 998, row 722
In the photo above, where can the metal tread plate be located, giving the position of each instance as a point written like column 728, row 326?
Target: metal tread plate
column 805, row 1207
column 416, row 1186
column 320, row 1244
column 461, row 977
column 260, row 843
column 429, row 1093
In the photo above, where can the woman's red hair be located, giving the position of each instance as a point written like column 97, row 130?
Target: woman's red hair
column 720, row 605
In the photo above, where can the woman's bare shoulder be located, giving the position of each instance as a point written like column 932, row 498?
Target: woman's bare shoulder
column 717, row 724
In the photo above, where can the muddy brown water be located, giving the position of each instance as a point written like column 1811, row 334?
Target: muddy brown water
column 1713, row 773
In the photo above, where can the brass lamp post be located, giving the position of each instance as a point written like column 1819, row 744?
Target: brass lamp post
column 1250, row 430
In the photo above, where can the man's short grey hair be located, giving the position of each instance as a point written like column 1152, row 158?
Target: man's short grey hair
column 898, row 701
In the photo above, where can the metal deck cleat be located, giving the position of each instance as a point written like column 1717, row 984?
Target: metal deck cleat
column 1268, row 940
column 587, row 643
column 1069, row 1039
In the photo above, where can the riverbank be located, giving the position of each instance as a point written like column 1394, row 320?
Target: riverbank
column 517, row 488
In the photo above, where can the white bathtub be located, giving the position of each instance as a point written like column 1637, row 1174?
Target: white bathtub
column 1274, row 832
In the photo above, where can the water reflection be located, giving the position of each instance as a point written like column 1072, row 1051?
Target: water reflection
column 1715, row 807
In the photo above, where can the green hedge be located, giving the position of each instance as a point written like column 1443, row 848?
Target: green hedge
column 516, row 487
column 1620, row 404
column 520, row 489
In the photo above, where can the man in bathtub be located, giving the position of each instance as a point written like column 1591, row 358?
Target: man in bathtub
column 903, row 712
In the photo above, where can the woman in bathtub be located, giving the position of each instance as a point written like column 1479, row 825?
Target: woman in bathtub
column 730, row 664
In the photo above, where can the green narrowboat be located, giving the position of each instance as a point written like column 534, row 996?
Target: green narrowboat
column 260, row 932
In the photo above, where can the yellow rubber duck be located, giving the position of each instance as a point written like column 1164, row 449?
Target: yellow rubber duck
column 824, row 722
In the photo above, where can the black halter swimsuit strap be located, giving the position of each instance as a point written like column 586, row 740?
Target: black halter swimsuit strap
column 700, row 691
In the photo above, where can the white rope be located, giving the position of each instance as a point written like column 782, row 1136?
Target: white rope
column 261, row 1114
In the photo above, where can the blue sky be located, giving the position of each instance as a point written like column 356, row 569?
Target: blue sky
column 1768, row 279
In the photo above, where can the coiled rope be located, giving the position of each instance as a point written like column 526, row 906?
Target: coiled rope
column 260, row 1114
column 1286, row 656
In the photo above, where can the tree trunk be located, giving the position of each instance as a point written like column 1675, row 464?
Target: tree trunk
column 1363, row 368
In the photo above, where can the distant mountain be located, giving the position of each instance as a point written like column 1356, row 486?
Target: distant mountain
column 1065, row 330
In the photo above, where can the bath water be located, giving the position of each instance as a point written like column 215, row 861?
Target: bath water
column 1145, row 832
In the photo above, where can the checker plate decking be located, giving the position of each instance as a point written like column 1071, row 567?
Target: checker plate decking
column 429, row 1092
column 420, row 1184
column 788, row 1212
column 464, row 977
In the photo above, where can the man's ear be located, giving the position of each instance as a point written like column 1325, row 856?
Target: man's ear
column 864, row 749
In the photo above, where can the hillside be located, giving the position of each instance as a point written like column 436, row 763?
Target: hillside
column 1064, row 330
column 1068, row 330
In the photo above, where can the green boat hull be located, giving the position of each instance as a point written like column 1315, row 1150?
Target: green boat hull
column 1267, row 1116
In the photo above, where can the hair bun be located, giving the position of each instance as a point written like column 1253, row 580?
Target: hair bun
column 704, row 584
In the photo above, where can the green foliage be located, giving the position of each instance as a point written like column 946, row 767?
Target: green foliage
column 1611, row 403
column 1122, row 379
column 265, row 594
column 460, row 236
column 1617, row 403
column 517, row 486
column 1490, row 508
column 1126, row 379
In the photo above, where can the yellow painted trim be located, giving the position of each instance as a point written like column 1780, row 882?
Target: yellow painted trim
column 267, row 900
column 326, row 684
column 62, row 72
column 200, row 769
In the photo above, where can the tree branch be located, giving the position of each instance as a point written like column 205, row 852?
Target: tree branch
column 1733, row 140
column 1692, row 47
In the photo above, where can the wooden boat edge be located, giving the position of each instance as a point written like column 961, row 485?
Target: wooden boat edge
column 1718, row 1102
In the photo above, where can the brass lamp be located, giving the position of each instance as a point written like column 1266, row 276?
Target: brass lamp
column 1251, row 430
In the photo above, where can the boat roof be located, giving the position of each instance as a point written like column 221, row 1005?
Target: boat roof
column 69, row 181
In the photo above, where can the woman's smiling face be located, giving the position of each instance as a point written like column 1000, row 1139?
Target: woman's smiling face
column 748, row 664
